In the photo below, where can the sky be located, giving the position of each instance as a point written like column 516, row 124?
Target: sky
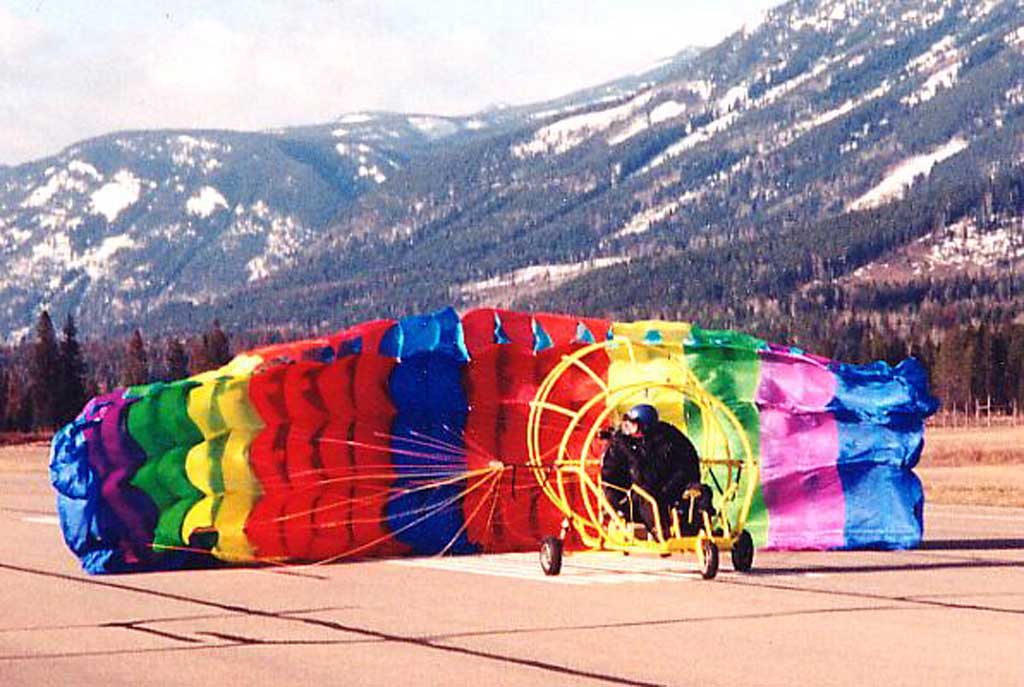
column 71, row 69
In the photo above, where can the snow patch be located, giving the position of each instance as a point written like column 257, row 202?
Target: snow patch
column 283, row 236
column 642, row 221
column 85, row 169
column 205, row 202
column 735, row 97
column 699, row 136
column 825, row 117
column 795, row 82
column 190, row 151
column 373, row 172
column 547, row 276
column 822, row 19
column 261, row 209
column 902, row 175
column 565, row 134
column 636, row 126
column 670, row 109
column 944, row 78
column 113, row 198
column 55, row 247
column 16, row 237
column 933, row 55
column 433, row 127
column 1016, row 95
column 963, row 244
column 1015, row 38
column 701, row 88
column 96, row 261
column 57, row 182
column 355, row 118
column 257, row 268
column 663, row 112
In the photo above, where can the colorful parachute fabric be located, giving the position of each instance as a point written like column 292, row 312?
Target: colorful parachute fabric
column 408, row 437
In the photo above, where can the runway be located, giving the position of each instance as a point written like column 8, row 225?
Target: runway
column 949, row 612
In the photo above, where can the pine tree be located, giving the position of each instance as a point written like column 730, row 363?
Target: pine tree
column 137, row 365
column 981, row 363
column 953, row 369
column 5, row 383
column 19, row 404
column 1015, row 365
column 72, row 373
column 176, row 360
column 44, row 374
column 218, row 349
column 198, row 361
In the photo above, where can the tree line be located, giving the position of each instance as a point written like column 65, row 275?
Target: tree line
column 46, row 380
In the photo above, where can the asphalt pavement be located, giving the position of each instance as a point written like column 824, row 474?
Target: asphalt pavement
column 951, row 612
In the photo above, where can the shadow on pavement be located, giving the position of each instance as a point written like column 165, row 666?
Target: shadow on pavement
column 888, row 567
column 971, row 544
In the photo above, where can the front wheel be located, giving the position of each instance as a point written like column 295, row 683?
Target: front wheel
column 743, row 553
column 708, row 559
column 551, row 555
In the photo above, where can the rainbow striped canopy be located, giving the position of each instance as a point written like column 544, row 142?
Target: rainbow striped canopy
column 403, row 437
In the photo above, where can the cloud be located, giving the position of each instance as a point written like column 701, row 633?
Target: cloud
column 254, row 66
column 18, row 37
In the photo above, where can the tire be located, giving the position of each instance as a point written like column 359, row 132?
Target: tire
column 743, row 553
column 709, row 559
column 551, row 555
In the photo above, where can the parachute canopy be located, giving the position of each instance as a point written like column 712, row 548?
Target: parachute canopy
column 409, row 437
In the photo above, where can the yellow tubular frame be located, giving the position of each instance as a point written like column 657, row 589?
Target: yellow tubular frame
column 597, row 523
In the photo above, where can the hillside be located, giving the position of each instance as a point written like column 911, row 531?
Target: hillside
column 725, row 191
column 753, row 184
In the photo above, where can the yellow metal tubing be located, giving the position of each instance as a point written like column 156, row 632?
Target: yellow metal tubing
column 600, row 526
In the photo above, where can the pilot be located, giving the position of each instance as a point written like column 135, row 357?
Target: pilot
column 654, row 455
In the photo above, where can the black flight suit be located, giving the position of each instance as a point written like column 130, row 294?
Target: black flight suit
column 662, row 461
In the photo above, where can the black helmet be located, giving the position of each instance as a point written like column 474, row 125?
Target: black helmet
column 643, row 415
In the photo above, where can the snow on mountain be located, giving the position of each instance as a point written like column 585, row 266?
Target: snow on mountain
column 941, row 64
column 670, row 109
column 532, row 279
column 965, row 244
column 962, row 247
column 901, row 176
column 434, row 127
column 190, row 151
column 355, row 118
column 205, row 202
column 569, row 132
column 111, row 199
column 693, row 139
column 1015, row 38
column 818, row 108
column 65, row 180
column 94, row 261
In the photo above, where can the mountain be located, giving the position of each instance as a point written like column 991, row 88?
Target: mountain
column 834, row 146
column 123, row 225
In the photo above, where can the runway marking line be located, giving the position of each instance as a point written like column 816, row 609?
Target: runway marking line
column 525, row 566
column 974, row 516
column 42, row 519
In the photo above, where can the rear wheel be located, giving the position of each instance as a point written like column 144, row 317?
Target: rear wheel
column 551, row 555
column 743, row 553
column 708, row 559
